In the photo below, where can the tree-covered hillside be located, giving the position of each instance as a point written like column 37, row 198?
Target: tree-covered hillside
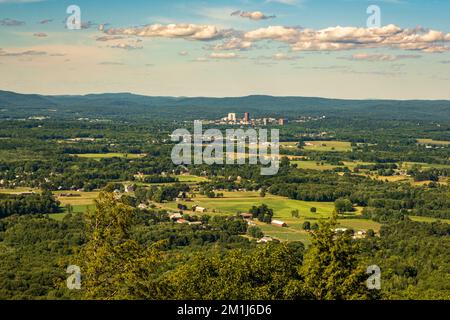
column 122, row 105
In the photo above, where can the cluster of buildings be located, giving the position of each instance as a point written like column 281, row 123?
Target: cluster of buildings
column 179, row 218
column 247, row 120
column 233, row 119
column 277, row 223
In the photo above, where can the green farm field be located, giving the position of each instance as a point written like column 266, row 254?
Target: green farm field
column 433, row 142
column 18, row 190
column 186, row 179
column 191, row 178
column 408, row 165
column 234, row 202
column 428, row 219
column 76, row 209
column 84, row 198
column 315, row 165
column 333, row 146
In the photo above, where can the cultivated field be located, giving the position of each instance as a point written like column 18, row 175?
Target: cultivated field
column 408, row 165
column 80, row 204
column 18, row 190
column 336, row 146
column 240, row 202
column 322, row 166
column 433, row 142
column 76, row 209
column 81, row 198
column 191, row 178
column 428, row 219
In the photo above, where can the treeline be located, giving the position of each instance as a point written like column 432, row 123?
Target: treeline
column 414, row 259
column 28, row 204
column 34, row 254
column 429, row 174
column 70, row 173
column 361, row 191
column 160, row 179
column 160, row 194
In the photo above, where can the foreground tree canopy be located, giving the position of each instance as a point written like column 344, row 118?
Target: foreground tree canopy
column 117, row 267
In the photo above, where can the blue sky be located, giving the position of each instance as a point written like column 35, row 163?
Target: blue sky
column 228, row 48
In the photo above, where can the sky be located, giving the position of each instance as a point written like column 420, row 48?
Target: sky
column 320, row 48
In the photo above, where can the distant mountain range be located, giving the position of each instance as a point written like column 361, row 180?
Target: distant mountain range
column 131, row 106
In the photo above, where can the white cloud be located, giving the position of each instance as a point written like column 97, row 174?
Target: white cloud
column 184, row 31
column 255, row 15
column 279, row 56
column 380, row 57
column 228, row 55
column 233, row 44
column 284, row 56
column 329, row 39
column 347, row 38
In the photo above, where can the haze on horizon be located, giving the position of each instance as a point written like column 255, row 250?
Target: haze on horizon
column 228, row 48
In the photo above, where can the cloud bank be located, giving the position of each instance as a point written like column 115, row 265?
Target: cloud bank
column 300, row 39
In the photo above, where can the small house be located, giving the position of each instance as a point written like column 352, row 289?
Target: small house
column 247, row 216
column 279, row 223
column 360, row 235
column 265, row 240
column 175, row 216
column 199, row 209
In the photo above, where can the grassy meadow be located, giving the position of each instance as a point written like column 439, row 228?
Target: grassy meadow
column 330, row 146
column 433, row 142
column 241, row 202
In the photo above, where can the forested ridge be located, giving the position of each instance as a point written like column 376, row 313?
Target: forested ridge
column 127, row 105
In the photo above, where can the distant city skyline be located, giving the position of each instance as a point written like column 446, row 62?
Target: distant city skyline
column 228, row 48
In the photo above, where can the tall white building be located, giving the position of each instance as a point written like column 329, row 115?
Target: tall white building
column 232, row 117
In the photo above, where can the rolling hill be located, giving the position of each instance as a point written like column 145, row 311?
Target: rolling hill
column 131, row 106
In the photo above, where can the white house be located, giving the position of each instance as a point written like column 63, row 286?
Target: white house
column 199, row 209
column 265, row 240
column 279, row 223
column 142, row 206
column 175, row 216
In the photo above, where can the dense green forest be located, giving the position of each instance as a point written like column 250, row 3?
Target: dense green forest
column 89, row 181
